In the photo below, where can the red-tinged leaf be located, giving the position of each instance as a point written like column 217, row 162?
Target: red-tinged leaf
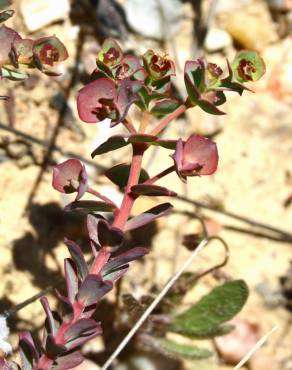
column 164, row 107
column 50, row 50
column 52, row 348
column 100, row 261
column 80, row 332
column 116, row 275
column 197, row 156
column 148, row 216
column 7, row 38
column 119, row 175
column 91, row 222
column 50, row 318
column 123, row 259
column 109, row 236
column 91, row 98
column 92, row 290
column 71, row 279
column 130, row 66
column 66, row 305
column 90, row 206
column 69, row 177
column 127, row 95
column 68, row 361
column 152, row 190
column 78, row 257
column 27, row 350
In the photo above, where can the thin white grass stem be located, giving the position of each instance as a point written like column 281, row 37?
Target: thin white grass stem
column 255, row 348
column 156, row 301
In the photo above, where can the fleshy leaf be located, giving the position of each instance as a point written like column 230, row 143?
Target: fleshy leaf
column 148, row 216
column 6, row 15
column 54, row 349
column 163, row 107
column 114, row 142
column 13, row 75
column 152, row 190
column 69, row 177
column 219, row 306
column 28, row 353
column 50, row 318
column 123, row 259
column 109, row 236
column 92, row 290
column 90, row 206
column 80, row 332
column 183, row 350
column 78, row 258
column 248, row 66
column 92, row 97
column 71, row 279
column 7, row 39
column 119, row 174
column 68, row 361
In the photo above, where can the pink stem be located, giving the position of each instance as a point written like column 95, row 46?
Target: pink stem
column 180, row 110
column 159, row 175
column 100, row 196
column 128, row 200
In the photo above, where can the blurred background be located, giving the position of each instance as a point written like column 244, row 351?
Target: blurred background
column 248, row 202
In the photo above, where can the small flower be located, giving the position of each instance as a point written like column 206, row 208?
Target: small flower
column 195, row 157
column 69, row 177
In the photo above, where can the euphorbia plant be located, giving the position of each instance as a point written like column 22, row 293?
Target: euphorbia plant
column 119, row 82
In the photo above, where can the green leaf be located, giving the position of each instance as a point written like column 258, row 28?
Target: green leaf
column 6, row 15
column 185, row 351
column 204, row 319
column 119, row 175
column 163, row 107
column 13, row 75
column 248, row 66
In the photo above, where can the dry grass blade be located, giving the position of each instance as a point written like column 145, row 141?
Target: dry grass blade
column 255, row 348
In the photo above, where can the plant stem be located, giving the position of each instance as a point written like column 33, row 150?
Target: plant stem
column 129, row 125
column 144, row 122
column 128, row 200
column 100, row 196
column 159, row 175
column 180, row 110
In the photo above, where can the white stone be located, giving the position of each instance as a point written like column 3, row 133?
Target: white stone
column 217, row 40
column 38, row 13
column 153, row 19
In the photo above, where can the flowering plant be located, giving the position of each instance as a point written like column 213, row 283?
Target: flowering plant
column 119, row 82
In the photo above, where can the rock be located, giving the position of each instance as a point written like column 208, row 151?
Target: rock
column 217, row 40
column 37, row 14
column 153, row 19
column 251, row 26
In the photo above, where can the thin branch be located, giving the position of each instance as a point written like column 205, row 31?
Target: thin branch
column 247, row 220
column 56, row 148
column 153, row 305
